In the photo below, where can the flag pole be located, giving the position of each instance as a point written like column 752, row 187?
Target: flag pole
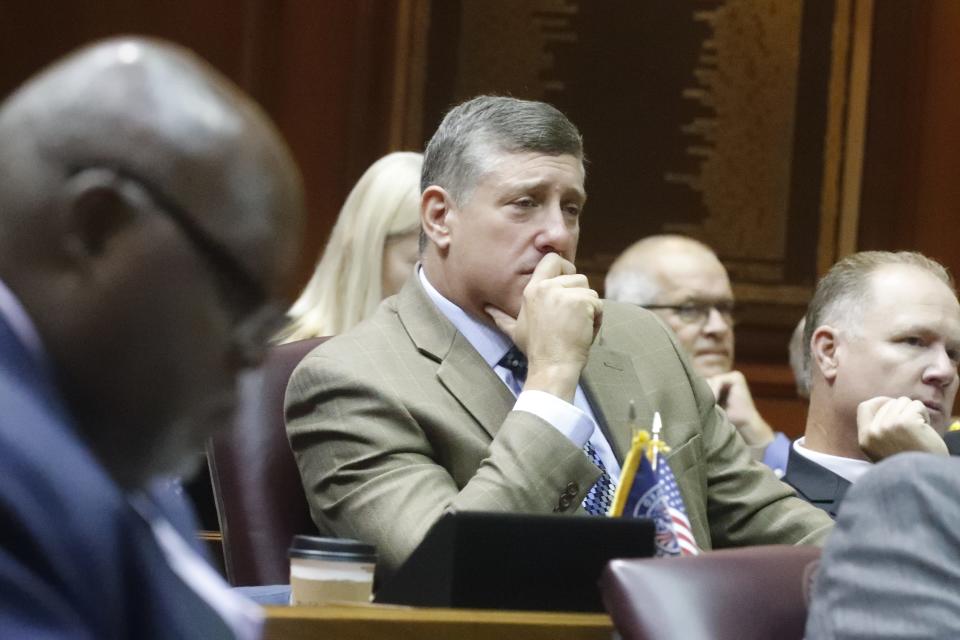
column 655, row 439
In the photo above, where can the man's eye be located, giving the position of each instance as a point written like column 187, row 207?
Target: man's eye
column 913, row 341
column 572, row 210
column 525, row 202
column 690, row 311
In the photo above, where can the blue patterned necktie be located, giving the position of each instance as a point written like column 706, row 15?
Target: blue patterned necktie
column 516, row 363
column 600, row 496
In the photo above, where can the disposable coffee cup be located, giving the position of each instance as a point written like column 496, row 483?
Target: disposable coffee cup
column 324, row 570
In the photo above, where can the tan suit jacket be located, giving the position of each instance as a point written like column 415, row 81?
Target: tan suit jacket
column 400, row 420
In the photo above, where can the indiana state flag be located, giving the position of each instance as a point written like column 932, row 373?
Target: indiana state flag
column 647, row 489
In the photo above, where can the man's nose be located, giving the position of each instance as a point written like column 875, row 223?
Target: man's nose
column 557, row 234
column 716, row 323
column 942, row 371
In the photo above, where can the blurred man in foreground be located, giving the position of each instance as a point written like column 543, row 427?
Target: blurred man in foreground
column 891, row 568
column 683, row 282
column 148, row 219
column 498, row 380
column 882, row 335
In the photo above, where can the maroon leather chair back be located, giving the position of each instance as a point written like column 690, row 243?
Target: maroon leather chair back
column 743, row 594
column 260, row 499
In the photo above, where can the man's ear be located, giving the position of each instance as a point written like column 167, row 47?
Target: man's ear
column 435, row 207
column 824, row 347
column 96, row 209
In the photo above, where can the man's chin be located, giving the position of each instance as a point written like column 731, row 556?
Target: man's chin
column 180, row 452
column 712, row 364
column 508, row 305
column 939, row 422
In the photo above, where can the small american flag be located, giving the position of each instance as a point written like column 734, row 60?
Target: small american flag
column 673, row 527
column 653, row 493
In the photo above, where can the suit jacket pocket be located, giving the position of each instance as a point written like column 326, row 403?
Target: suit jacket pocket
column 686, row 458
column 685, row 462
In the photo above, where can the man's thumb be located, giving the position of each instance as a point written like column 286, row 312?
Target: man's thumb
column 504, row 321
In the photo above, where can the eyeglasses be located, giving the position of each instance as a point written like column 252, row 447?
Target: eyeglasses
column 255, row 321
column 698, row 312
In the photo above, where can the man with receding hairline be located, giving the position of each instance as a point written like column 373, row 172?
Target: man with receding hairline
column 149, row 215
column 682, row 281
column 882, row 343
column 498, row 380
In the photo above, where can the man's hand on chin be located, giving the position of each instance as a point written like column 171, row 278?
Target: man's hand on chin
column 559, row 318
column 886, row 426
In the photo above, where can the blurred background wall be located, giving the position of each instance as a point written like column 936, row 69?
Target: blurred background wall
column 785, row 133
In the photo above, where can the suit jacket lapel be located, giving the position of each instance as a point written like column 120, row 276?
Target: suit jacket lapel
column 461, row 370
column 25, row 369
column 815, row 483
column 610, row 383
column 608, row 380
column 474, row 384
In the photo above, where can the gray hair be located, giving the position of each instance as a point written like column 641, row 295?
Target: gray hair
column 456, row 154
column 842, row 293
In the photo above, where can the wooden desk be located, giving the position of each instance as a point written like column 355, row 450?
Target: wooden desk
column 404, row 623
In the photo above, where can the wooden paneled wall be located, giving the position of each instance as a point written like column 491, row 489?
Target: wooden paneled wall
column 910, row 184
column 345, row 83
column 323, row 70
column 911, row 176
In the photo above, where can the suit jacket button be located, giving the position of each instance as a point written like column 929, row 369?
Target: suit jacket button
column 573, row 489
column 565, row 502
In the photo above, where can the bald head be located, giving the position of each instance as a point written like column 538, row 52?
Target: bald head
column 161, row 113
column 149, row 214
column 649, row 267
column 684, row 278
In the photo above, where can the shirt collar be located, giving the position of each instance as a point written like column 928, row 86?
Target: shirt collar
column 490, row 343
column 20, row 323
column 850, row 469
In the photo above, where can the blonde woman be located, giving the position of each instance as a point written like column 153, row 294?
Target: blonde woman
column 370, row 253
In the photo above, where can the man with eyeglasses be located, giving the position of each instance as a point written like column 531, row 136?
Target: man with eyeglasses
column 149, row 218
column 684, row 283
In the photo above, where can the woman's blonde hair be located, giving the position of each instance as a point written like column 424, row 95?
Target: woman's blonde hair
column 346, row 286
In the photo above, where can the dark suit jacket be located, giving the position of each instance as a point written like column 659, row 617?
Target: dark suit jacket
column 816, row 484
column 952, row 438
column 400, row 419
column 76, row 560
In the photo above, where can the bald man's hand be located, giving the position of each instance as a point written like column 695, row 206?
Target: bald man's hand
column 559, row 318
column 733, row 395
column 886, row 426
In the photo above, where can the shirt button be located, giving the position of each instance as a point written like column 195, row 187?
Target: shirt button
column 565, row 502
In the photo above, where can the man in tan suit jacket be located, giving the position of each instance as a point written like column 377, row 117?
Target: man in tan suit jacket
column 411, row 414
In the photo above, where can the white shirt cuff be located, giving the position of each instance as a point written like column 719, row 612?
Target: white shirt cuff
column 576, row 425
